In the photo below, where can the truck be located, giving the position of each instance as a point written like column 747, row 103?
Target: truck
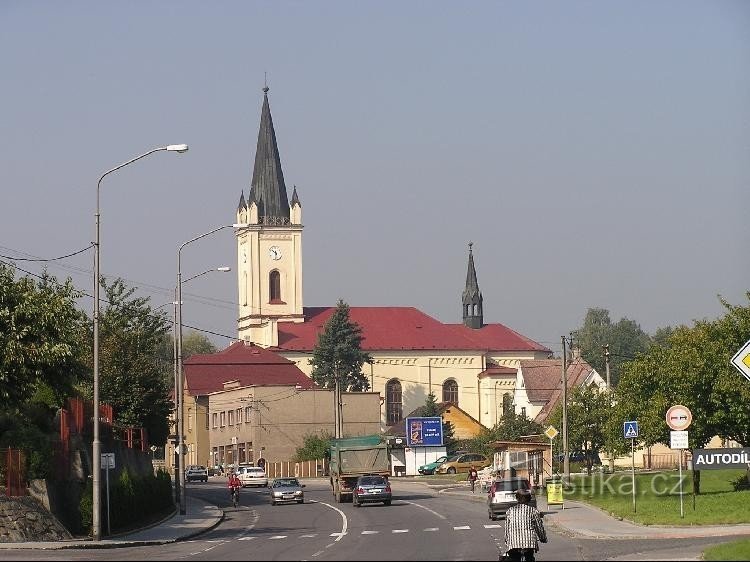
column 352, row 457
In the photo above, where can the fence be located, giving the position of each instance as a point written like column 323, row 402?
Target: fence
column 666, row 461
column 13, row 472
column 302, row 469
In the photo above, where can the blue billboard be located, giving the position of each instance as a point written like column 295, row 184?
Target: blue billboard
column 424, row 432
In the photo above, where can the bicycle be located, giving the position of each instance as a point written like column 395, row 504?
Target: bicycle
column 235, row 497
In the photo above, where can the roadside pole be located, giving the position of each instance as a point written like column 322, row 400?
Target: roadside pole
column 632, row 467
column 679, row 419
column 107, row 463
column 682, row 511
column 630, row 431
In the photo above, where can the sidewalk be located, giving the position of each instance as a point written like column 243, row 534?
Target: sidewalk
column 200, row 517
column 582, row 520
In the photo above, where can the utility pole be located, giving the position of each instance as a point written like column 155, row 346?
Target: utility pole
column 566, row 458
column 606, row 363
column 609, row 398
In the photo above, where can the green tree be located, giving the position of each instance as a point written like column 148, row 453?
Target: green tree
column 510, row 427
column 132, row 379
column 42, row 334
column 195, row 343
column 338, row 353
column 626, row 340
column 313, row 446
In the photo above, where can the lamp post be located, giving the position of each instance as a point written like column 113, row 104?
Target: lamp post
column 223, row 269
column 96, row 445
column 180, row 378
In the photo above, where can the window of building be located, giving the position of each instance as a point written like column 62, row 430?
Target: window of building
column 244, row 289
column 523, row 411
column 190, row 419
column 223, row 419
column 239, row 416
column 215, row 419
column 450, row 392
column 274, row 286
column 507, row 404
column 248, row 409
column 230, row 417
column 394, row 411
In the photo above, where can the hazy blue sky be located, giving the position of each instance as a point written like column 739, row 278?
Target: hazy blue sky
column 596, row 153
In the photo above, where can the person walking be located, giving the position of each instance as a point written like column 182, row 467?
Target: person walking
column 524, row 529
column 473, row 475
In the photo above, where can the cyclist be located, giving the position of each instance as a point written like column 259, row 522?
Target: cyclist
column 234, row 486
column 473, row 475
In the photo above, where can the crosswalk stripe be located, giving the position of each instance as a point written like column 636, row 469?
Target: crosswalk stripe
column 495, row 526
column 308, row 536
column 370, row 532
column 247, row 538
column 400, row 531
column 336, row 534
column 432, row 529
column 462, row 528
column 275, row 537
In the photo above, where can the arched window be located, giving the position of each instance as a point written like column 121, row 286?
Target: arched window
column 393, row 405
column 244, row 289
column 507, row 404
column 274, row 286
column 450, row 392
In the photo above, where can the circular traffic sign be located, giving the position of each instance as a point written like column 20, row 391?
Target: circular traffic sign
column 679, row 417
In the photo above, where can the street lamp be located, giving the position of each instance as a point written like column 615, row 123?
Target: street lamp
column 222, row 269
column 96, row 446
column 180, row 377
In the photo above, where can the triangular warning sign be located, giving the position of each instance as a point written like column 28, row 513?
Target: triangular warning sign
column 631, row 432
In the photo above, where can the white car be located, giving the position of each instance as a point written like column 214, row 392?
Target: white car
column 252, row 476
column 196, row 472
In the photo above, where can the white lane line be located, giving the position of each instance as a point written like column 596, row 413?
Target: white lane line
column 461, row 528
column 426, row 509
column 219, row 540
column 400, row 531
column 370, row 532
column 495, row 526
column 345, row 523
column 431, row 529
column 276, row 537
column 337, row 535
column 309, row 536
column 319, row 553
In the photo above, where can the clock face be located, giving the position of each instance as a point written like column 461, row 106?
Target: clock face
column 274, row 252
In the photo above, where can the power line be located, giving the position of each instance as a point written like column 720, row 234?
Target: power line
column 44, row 259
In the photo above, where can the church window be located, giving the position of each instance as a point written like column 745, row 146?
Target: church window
column 244, row 289
column 507, row 404
column 274, row 286
column 394, row 406
column 450, row 392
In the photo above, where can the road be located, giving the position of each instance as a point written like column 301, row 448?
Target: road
column 421, row 524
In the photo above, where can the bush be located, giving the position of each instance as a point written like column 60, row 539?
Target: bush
column 741, row 483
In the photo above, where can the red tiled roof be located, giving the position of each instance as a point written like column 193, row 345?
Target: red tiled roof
column 247, row 364
column 407, row 328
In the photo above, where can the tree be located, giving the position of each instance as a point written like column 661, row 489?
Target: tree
column 132, row 379
column 313, row 446
column 626, row 340
column 338, row 353
column 510, row 427
column 195, row 343
column 42, row 334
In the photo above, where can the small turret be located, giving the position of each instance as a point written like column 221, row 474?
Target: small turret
column 472, row 297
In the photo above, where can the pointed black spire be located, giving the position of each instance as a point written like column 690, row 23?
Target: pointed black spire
column 295, row 199
column 267, row 187
column 241, row 206
column 472, row 297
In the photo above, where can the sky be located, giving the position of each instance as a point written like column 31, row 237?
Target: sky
column 597, row 154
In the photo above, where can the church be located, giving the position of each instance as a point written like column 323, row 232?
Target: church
column 471, row 364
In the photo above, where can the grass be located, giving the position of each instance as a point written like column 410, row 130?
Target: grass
column 658, row 497
column 737, row 550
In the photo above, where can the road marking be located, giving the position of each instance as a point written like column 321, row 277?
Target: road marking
column 400, row 531
column 461, row 528
column 370, row 532
column 276, row 537
column 308, row 536
column 426, row 509
column 429, row 529
column 343, row 517
column 337, row 535
column 247, row 538
column 319, row 553
column 495, row 526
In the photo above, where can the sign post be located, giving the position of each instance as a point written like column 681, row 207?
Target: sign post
column 630, row 431
column 107, row 463
column 679, row 419
column 554, row 485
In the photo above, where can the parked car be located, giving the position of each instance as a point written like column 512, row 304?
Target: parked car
column 196, row 472
column 462, row 463
column 372, row 488
column 252, row 476
column 502, row 495
column 431, row 467
column 287, row 490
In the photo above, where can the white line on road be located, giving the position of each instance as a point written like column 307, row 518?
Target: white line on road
column 426, row 509
column 495, row 526
column 247, row 538
column 276, row 537
column 430, row 529
column 345, row 523
column 309, row 536
column 400, row 531
column 461, row 528
column 370, row 532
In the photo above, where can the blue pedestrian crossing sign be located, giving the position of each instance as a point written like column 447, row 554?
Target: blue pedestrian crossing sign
column 630, row 429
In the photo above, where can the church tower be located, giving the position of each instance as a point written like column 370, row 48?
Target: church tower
column 269, row 250
column 472, row 297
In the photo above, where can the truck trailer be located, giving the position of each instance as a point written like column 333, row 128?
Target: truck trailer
column 352, row 457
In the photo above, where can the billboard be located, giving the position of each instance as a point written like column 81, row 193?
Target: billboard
column 424, row 432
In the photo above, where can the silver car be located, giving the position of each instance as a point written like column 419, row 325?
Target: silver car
column 502, row 495
column 287, row 490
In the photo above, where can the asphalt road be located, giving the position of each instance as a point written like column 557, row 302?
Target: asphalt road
column 421, row 524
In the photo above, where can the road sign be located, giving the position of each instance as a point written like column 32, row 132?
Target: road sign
column 108, row 460
column 555, row 493
column 678, row 440
column 630, row 429
column 679, row 417
column 741, row 360
column 551, row 432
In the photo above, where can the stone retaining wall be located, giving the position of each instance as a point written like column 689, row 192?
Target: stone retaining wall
column 25, row 519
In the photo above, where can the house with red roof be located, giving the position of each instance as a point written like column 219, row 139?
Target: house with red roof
column 470, row 363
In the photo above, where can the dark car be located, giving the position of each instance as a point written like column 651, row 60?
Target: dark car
column 371, row 489
column 502, row 495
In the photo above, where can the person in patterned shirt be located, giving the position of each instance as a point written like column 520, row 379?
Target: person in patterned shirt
column 524, row 529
